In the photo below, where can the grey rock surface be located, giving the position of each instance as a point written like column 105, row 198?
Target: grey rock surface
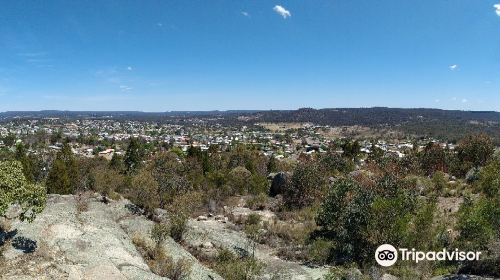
column 94, row 243
column 222, row 235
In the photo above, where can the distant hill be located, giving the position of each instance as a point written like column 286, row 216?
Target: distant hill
column 374, row 116
column 444, row 124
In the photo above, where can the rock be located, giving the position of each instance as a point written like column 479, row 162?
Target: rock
column 472, row 175
column 387, row 276
column 278, row 183
column 219, row 217
column 240, row 214
column 207, row 245
column 93, row 244
column 202, row 218
column 460, row 277
column 105, row 271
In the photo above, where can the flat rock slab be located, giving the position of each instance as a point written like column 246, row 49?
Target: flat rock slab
column 91, row 244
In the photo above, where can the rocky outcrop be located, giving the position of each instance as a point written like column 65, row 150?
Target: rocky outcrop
column 85, row 240
column 278, row 183
column 213, row 233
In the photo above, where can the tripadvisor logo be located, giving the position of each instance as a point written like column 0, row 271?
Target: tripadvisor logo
column 387, row 255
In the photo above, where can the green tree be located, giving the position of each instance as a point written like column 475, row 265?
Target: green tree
column 304, row 187
column 168, row 173
column 28, row 165
column 239, row 180
column 272, row 165
column 475, row 149
column 144, row 191
column 433, row 158
column 351, row 149
column 14, row 188
column 344, row 217
column 58, row 180
column 133, row 155
column 116, row 163
column 489, row 179
column 479, row 223
column 9, row 140
column 107, row 181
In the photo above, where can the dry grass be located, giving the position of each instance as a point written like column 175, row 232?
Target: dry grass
column 159, row 262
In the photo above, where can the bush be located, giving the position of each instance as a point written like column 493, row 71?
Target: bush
column 159, row 233
column 439, row 180
column 340, row 273
column 257, row 202
column 478, row 223
column 344, row 217
column 319, row 251
column 305, row 186
column 232, row 267
column 180, row 210
column 489, row 179
column 143, row 191
column 16, row 189
column 178, row 226
column 159, row 262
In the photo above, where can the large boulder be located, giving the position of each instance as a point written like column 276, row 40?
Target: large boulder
column 278, row 183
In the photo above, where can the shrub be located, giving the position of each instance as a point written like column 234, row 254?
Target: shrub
column 489, row 179
column 143, row 191
column 478, row 223
column 178, row 226
column 439, row 180
column 257, row 202
column 340, row 273
column 305, row 186
column 344, row 216
column 107, row 181
column 180, row 210
column 319, row 251
column 16, row 189
column 159, row 262
column 232, row 267
column 239, row 180
column 159, row 233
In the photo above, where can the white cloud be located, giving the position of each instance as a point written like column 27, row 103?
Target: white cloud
column 125, row 88
column 159, row 24
column 245, row 14
column 453, row 67
column 282, row 11
column 497, row 9
column 437, row 100
column 464, row 100
column 129, row 68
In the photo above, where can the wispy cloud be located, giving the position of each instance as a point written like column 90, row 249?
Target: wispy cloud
column 453, row 67
column 32, row 54
column 245, row 14
column 282, row 11
column 37, row 59
column 497, row 9
column 464, row 100
column 125, row 88
column 116, row 77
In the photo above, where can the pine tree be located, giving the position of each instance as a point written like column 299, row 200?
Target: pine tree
column 133, row 156
column 272, row 165
column 58, row 180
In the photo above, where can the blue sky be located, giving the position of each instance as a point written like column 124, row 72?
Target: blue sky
column 256, row 54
